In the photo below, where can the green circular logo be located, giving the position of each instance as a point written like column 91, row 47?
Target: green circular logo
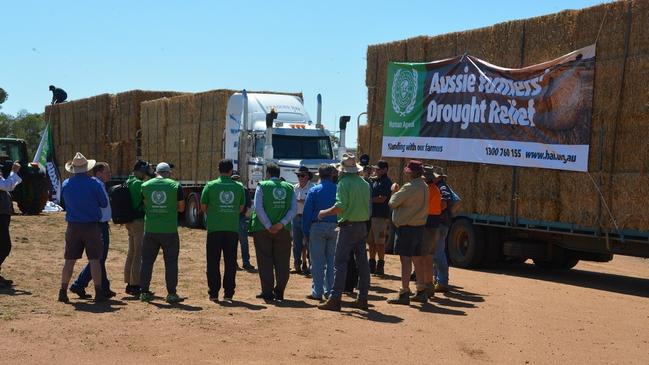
column 158, row 197
column 404, row 91
column 226, row 197
column 279, row 193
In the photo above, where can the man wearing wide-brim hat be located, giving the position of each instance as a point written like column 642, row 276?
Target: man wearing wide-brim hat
column 84, row 197
column 353, row 209
column 300, row 248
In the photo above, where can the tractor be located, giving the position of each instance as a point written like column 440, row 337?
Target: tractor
column 34, row 191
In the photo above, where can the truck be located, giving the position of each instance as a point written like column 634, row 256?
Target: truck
column 32, row 193
column 555, row 218
column 194, row 131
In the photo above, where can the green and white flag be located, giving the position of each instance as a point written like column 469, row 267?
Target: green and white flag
column 45, row 157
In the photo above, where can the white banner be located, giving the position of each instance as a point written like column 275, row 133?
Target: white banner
column 512, row 153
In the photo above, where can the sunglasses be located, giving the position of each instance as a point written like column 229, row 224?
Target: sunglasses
column 302, row 175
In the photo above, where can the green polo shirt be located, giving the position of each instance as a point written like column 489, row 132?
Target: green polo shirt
column 135, row 188
column 353, row 197
column 224, row 198
column 161, row 198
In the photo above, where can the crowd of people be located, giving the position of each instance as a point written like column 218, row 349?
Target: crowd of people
column 328, row 221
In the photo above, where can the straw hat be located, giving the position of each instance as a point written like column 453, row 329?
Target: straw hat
column 79, row 164
column 348, row 164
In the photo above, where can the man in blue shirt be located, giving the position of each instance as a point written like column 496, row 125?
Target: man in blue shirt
column 320, row 234
column 101, row 172
column 84, row 197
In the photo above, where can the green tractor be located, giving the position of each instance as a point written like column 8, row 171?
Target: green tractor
column 34, row 191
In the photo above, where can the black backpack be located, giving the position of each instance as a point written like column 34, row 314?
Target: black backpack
column 121, row 206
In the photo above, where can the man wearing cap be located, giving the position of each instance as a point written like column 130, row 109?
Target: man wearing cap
column 6, row 209
column 275, row 207
column 300, row 250
column 135, row 228
column 409, row 212
column 163, row 200
column 441, row 262
column 380, row 222
column 84, row 197
column 222, row 200
column 353, row 210
column 100, row 172
column 321, row 233
column 243, row 225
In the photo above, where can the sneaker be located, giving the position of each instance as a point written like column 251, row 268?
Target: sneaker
column 129, row 290
column 227, row 300
column 360, row 304
column 278, row 296
column 403, row 299
column 372, row 263
column 248, row 267
column 63, row 296
column 313, row 297
column 266, row 297
column 331, row 304
column 441, row 288
column 81, row 292
column 214, row 297
column 146, row 296
column 380, row 268
column 173, row 298
column 420, row 297
column 4, row 281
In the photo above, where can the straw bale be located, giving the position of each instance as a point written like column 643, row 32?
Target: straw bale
column 416, row 49
column 538, row 194
column 441, row 47
column 370, row 70
column 462, row 180
column 610, row 44
column 499, row 44
column 493, row 190
column 579, row 198
column 636, row 87
column 629, row 205
column 632, row 146
column 639, row 31
column 363, row 139
column 549, row 36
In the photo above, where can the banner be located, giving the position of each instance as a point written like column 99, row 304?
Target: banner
column 45, row 157
column 465, row 109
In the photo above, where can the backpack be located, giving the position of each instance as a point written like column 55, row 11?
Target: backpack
column 121, row 206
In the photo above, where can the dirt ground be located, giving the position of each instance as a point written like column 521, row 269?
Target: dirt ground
column 596, row 313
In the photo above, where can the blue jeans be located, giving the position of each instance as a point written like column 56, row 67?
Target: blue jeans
column 322, row 248
column 298, row 238
column 441, row 262
column 84, row 276
column 351, row 238
column 243, row 239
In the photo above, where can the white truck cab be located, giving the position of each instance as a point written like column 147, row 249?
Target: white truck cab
column 292, row 140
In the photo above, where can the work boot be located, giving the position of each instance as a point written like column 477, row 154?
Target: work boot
column 441, row 288
column 430, row 290
column 63, row 296
column 81, row 292
column 372, row 263
column 360, row 304
column 100, row 295
column 248, row 267
column 403, row 299
column 332, row 304
column 420, row 297
column 380, row 268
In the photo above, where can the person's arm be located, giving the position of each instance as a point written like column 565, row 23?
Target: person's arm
column 181, row 199
column 102, row 197
column 205, row 199
column 242, row 200
column 307, row 214
column 258, row 202
column 339, row 206
column 399, row 197
column 291, row 212
column 10, row 183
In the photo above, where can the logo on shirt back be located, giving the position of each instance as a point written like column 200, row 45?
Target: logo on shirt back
column 279, row 193
column 226, row 197
column 159, row 197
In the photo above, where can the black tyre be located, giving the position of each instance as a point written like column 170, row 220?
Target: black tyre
column 33, row 192
column 192, row 212
column 564, row 263
column 465, row 242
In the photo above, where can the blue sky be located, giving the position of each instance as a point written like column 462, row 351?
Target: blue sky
column 92, row 47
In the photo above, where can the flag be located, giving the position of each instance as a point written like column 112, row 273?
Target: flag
column 45, row 157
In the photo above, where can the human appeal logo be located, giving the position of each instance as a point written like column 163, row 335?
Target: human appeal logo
column 159, row 197
column 404, row 91
column 226, row 197
column 279, row 194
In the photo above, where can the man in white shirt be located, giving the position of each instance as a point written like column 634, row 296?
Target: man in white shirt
column 6, row 209
column 300, row 248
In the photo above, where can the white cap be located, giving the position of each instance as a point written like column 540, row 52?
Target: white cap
column 163, row 167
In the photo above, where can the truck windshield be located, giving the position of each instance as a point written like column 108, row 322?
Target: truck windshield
column 12, row 150
column 299, row 148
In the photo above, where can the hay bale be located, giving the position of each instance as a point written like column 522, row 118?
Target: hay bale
column 538, row 194
column 629, row 194
column 416, row 49
column 639, row 31
column 579, row 198
column 549, row 36
column 441, row 47
column 370, row 70
column 493, row 190
column 500, row 44
column 610, row 44
column 462, row 180
column 636, row 93
column 630, row 152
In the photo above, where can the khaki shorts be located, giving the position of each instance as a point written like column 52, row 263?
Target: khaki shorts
column 379, row 231
column 428, row 244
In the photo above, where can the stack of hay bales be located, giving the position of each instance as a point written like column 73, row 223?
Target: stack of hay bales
column 618, row 161
column 187, row 131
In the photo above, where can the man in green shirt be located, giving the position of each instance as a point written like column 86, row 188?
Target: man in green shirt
column 163, row 200
column 353, row 209
column 274, row 208
column 222, row 200
column 135, row 228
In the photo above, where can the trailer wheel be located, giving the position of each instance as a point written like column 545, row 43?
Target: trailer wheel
column 466, row 245
column 565, row 263
column 192, row 212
